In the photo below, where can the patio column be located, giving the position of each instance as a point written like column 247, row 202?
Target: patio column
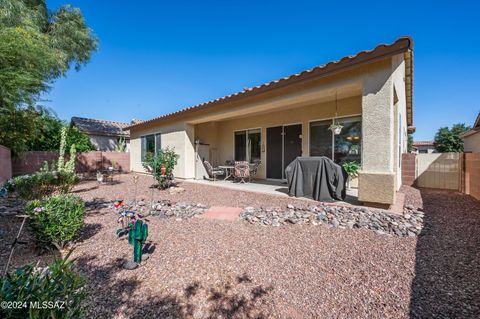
column 377, row 177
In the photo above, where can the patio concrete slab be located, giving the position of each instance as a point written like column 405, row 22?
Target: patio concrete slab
column 222, row 213
column 272, row 188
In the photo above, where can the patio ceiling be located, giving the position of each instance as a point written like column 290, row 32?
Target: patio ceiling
column 282, row 102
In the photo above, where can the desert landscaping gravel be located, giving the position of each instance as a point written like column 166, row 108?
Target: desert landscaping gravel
column 201, row 268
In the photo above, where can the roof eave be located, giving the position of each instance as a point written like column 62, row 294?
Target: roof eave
column 401, row 45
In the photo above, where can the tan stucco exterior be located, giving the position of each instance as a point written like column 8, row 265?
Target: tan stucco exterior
column 375, row 91
column 471, row 143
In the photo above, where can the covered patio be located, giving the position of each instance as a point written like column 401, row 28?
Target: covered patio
column 269, row 187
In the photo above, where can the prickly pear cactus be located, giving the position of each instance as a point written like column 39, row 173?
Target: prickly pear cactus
column 136, row 237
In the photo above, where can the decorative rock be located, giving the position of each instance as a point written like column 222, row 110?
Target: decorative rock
column 130, row 265
column 335, row 222
column 377, row 220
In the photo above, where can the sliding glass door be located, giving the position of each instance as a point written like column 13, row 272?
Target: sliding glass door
column 248, row 145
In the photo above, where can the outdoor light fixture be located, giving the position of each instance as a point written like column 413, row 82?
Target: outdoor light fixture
column 335, row 128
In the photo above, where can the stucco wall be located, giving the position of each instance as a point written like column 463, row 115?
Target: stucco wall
column 472, row 143
column 372, row 87
column 178, row 135
column 106, row 143
column 383, row 103
column 400, row 107
column 221, row 135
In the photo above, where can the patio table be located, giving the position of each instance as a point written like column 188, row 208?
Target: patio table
column 228, row 171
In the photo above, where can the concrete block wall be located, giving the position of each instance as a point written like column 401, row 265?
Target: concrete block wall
column 5, row 164
column 31, row 162
column 472, row 174
column 408, row 169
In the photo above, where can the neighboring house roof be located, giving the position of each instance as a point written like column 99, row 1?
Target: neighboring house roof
column 100, row 127
column 474, row 129
column 423, row 143
column 401, row 45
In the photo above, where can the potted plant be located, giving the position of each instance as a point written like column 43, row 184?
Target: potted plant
column 351, row 168
column 335, row 128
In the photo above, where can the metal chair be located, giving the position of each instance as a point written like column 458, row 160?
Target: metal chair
column 213, row 172
column 242, row 171
column 254, row 169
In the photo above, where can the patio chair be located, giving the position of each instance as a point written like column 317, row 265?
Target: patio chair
column 242, row 171
column 212, row 172
column 230, row 162
column 254, row 169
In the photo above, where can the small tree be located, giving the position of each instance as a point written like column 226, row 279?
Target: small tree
column 410, row 143
column 448, row 140
column 161, row 166
column 82, row 141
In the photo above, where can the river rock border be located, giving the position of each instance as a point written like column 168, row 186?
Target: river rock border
column 161, row 208
column 378, row 220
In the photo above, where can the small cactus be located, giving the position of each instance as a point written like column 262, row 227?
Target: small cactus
column 136, row 237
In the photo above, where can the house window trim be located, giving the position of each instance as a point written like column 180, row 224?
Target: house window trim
column 155, row 143
column 246, row 140
column 333, row 145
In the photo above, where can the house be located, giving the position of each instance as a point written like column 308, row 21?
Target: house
column 104, row 135
column 369, row 93
column 471, row 138
column 423, row 147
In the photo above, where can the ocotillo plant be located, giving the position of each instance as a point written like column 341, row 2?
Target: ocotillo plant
column 136, row 237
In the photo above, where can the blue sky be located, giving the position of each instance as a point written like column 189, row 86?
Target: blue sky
column 155, row 57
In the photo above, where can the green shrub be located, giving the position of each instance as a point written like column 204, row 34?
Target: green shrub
column 43, row 183
column 56, row 220
column 351, row 168
column 59, row 283
column 164, row 157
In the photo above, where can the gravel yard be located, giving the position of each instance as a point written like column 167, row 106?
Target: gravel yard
column 203, row 268
column 124, row 188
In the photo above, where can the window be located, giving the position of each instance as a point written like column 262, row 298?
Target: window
column 248, row 145
column 344, row 147
column 320, row 139
column 151, row 144
column 347, row 143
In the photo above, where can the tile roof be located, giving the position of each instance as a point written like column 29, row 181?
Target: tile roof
column 422, row 143
column 475, row 128
column 101, row 127
column 401, row 45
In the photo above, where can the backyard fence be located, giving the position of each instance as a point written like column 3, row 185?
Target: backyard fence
column 89, row 162
column 440, row 170
column 451, row 171
column 5, row 164
column 472, row 174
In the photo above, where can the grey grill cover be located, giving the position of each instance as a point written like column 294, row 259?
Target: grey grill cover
column 317, row 178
